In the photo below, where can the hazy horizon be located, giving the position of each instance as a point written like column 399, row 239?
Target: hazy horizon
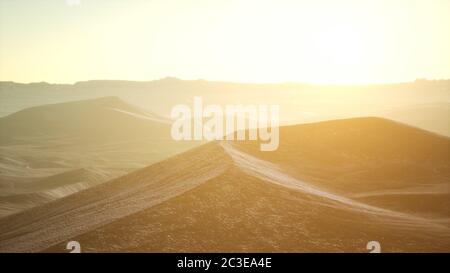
column 318, row 42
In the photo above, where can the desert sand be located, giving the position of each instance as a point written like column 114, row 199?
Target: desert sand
column 328, row 188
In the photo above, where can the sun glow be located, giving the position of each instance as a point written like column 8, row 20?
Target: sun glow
column 321, row 41
column 318, row 47
column 340, row 53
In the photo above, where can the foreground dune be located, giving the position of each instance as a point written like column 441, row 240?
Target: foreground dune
column 326, row 188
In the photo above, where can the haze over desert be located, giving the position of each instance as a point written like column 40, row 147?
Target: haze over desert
column 230, row 135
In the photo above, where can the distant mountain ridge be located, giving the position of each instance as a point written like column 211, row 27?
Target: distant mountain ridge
column 170, row 79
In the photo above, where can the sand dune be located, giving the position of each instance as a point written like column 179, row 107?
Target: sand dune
column 107, row 202
column 45, row 148
column 227, row 196
column 95, row 119
column 270, row 172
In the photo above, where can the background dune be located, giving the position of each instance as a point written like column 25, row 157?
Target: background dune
column 54, row 150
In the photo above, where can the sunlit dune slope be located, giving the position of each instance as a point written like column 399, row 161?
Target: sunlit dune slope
column 229, row 196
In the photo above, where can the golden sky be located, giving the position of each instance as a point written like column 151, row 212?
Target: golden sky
column 317, row 41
